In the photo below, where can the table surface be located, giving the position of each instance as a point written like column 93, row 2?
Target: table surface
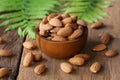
column 110, row 66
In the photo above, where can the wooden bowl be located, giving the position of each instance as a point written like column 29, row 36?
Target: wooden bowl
column 63, row 49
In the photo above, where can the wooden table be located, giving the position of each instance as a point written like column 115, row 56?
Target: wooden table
column 110, row 66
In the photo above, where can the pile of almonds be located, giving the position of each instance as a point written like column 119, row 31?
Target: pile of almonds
column 61, row 27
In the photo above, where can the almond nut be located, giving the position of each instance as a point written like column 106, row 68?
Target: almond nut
column 55, row 22
column 65, row 15
column 97, row 25
column 74, row 18
column 27, row 61
column 99, row 47
column 44, row 27
column 85, row 56
column 4, row 72
column 111, row 53
column 79, row 61
column 77, row 33
column 67, row 20
column 105, row 38
column 37, row 56
column 55, row 30
column 82, row 23
column 95, row 67
column 29, row 45
column 66, row 67
column 44, row 20
column 59, row 38
column 66, row 31
column 73, row 26
column 5, row 53
column 39, row 69
column 52, row 15
column 1, row 40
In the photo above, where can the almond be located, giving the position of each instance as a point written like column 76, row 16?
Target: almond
column 59, row 38
column 44, row 20
column 82, row 23
column 66, row 67
column 55, row 22
column 37, row 56
column 99, row 47
column 111, row 53
column 95, row 67
column 65, row 15
column 4, row 72
column 29, row 45
column 79, row 61
column 52, row 15
column 55, row 30
column 44, row 33
column 27, row 61
column 85, row 56
column 1, row 40
column 97, row 25
column 105, row 38
column 5, row 53
column 77, row 33
column 73, row 26
column 44, row 27
column 67, row 20
column 66, row 31
column 39, row 69
column 74, row 18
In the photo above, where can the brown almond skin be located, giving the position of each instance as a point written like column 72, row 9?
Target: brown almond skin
column 95, row 67
column 74, row 18
column 77, row 33
column 28, row 45
column 65, row 15
column 44, row 33
column 73, row 26
column 55, row 30
column 66, row 31
column 5, row 53
column 4, row 72
column 111, row 53
column 82, row 23
column 67, row 20
column 44, row 20
column 99, row 47
column 97, row 25
column 27, row 61
column 105, row 38
column 59, row 38
column 39, row 68
column 66, row 67
column 52, row 15
column 37, row 56
column 55, row 22
column 85, row 56
column 79, row 61
column 44, row 27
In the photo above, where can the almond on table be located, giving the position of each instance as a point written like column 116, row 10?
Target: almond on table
column 4, row 71
column 111, row 53
column 29, row 45
column 105, row 38
column 95, row 67
column 99, row 47
column 97, row 25
column 5, row 53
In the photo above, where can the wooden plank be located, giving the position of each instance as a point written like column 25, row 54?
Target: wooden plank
column 110, row 66
column 13, row 43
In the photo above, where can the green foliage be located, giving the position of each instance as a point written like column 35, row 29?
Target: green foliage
column 25, row 14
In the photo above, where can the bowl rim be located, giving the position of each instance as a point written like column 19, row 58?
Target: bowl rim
column 68, row 41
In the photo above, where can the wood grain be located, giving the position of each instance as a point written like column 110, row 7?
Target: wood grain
column 110, row 66
column 12, row 43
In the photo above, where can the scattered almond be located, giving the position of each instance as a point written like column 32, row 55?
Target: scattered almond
column 5, row 53
column 66, row 31
column 67, row 20
column 97, row 25
column 111, row 53
column 39, row 69
column 77, row 33
column 99, row 47
column 55, row 22
column 29, row 45
column 79, row 61
column 37, row 56
column 1, row 40
column 95, row 67
column 105, row 38
column 66, row 67
column 85, row 56
column 59, row 38
column 4, row 72
column 27, row 61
